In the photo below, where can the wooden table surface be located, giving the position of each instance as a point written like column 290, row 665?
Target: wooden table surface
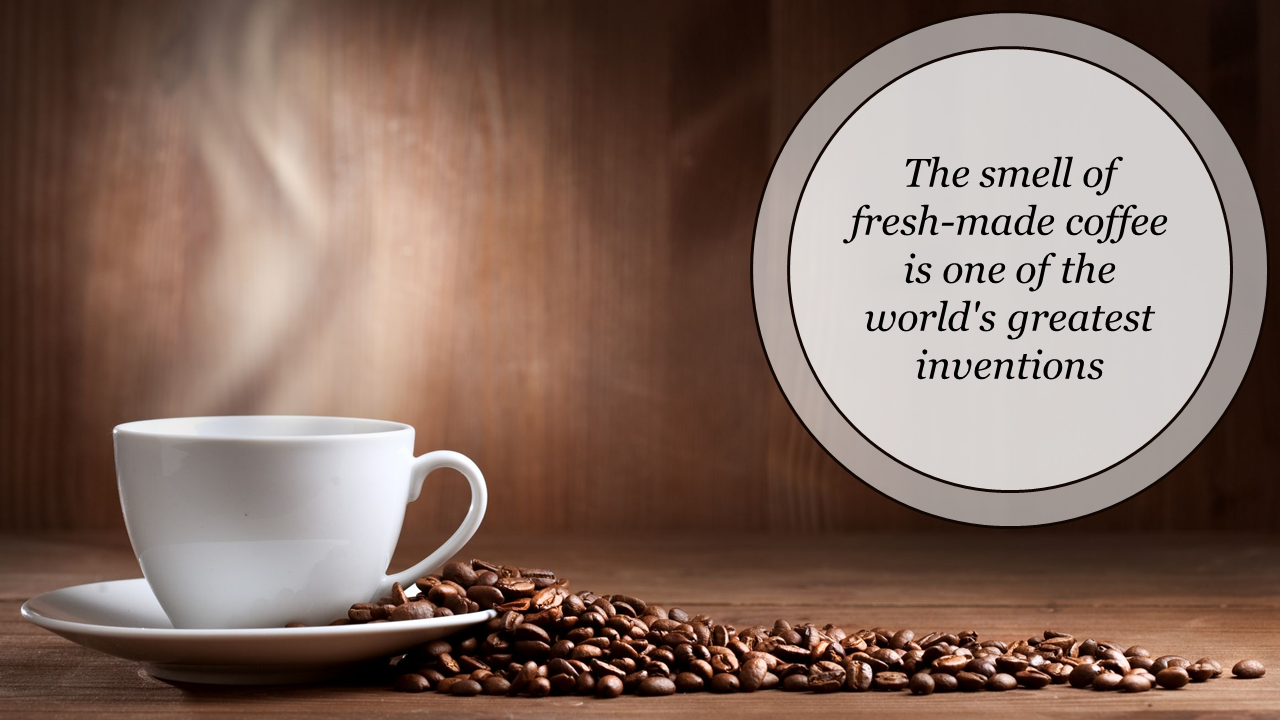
column 1192, row 596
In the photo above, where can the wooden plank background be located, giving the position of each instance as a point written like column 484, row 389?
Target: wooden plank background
column 522, row 227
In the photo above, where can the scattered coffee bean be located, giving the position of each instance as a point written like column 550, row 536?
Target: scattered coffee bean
column 970, row 681
column 890, row 681
column 1202, row 672
column 1135, row 683
column 858, row 676
column 1001, row 682
column 689, row 682
column 943, row 683
column 655, row 686
column 546, row 640
column 921, row 684
column 1248, row 669
column 1172, row 678
column 1210, row 662
column 1140, row 661
column 1033, row 679
column 538, row 687
column 1107, row 680
column 609, row 686
column 1165, row 661
column 723, row 683
column 795, row 683
column 412, row 683
column 465, row 687
column 751, row 676
column 1083, row 675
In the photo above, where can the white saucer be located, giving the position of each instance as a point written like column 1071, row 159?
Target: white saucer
column 123, row 618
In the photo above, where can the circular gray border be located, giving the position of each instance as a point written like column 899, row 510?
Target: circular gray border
column 772, row 241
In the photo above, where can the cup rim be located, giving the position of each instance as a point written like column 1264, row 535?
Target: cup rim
column 180, row 428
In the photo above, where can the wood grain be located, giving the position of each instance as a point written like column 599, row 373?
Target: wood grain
column 522, row 227
column 1191, row 595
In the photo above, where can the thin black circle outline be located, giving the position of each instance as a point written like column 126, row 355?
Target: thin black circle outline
column 755, row 308
column 1230, row 266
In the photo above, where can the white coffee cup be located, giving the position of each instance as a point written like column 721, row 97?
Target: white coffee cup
column 259, row 521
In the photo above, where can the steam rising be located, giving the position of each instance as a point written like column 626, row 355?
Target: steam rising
column 258, row 281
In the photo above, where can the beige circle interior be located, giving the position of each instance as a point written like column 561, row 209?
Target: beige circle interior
column 916, row 391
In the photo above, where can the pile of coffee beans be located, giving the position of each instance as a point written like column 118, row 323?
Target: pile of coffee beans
column 547, row 640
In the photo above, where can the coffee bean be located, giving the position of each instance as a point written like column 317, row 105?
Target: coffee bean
column 585, row 684
column 548, row 597
column 361, row 613
column 1248, row 669
column 486, row 596
column 689, row 682
column 446, row 684
column 1140, row 661
column 609, row 686
column 538, row 687
column 466, row 687
column 857, row 676
column 1201, row 672
column 723, row 683
column 921, row 684
column 790, row 653
column 657, row 668
column 1058, row 672
column 1083, row 675
column 1172, row 678
column 1001, row 682
column 656, row 686
column 951, row 664
column 548, row 640
column 890, row 681
column 412, row 611
column 1134, row 683
column 514, row 589
column 1107, row 680
column 1217, row 668
column 723, row 660
column 981, row 666
column 901, row 639
column 826, row 681
column 562, row 683
column 529, row 631
column 1033, row 679
column 751, row 675
column 795, row 683
column 461, row 573
column 443, row 590
column 1011, row 664
column 944, row 683
column 523, row 676
column 412, row 683
column 532, row 649
column 448, row 664
column 970, row 681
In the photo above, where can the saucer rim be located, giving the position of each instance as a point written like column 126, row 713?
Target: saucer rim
column 56, row 624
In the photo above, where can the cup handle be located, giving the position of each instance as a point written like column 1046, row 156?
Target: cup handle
column 422, row 467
